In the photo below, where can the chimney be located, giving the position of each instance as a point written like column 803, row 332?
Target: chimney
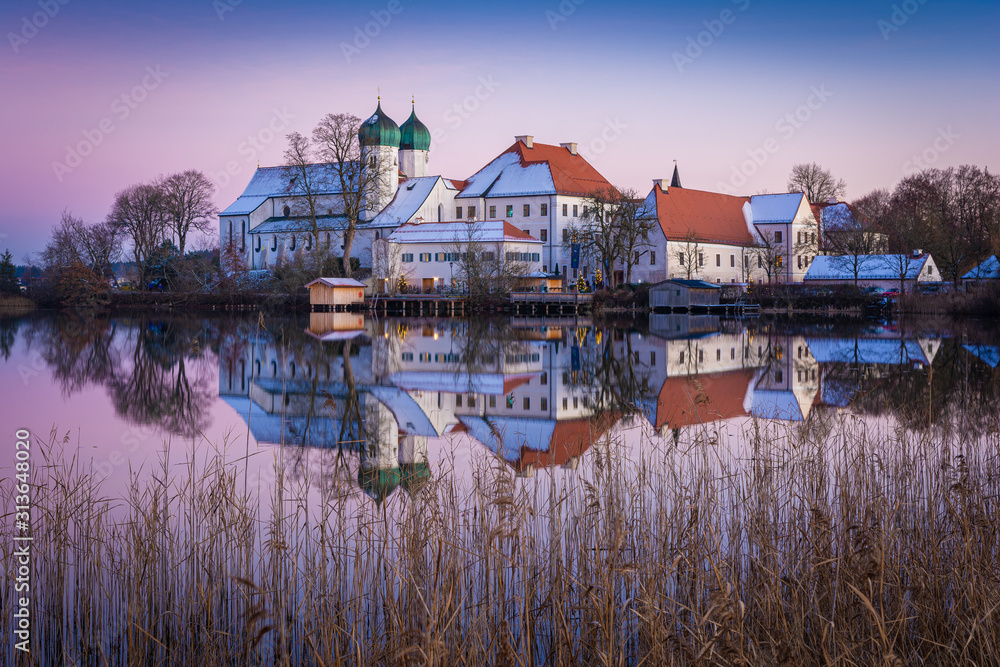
column 525, row 139
column 659, row 183
column 571, row 147
column 917, row 252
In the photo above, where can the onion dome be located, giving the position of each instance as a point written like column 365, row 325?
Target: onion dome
column 379, row 130
column 414, row 476
column 378, row 483
column 414, row 135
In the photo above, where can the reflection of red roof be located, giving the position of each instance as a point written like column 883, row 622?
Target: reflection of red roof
column 710, row 216
column 699, row 399
column 570, row 439
column 512, row 382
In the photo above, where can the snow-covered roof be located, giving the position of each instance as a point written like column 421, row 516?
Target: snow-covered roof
column 988, row 269
column 775, row 208
column 889, row 351
column 868, row 267
column 988, row 354
column 773, row 404
column 284, row 181
column 837, row 217
column 336, row 282
column 506, row 436
column 325, row 223
column 245, row 205
column 485, row 231
column 410, row 196
column 541, row 169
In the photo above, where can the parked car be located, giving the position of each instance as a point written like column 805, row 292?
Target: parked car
column 874, row 289
column 930, row 288
column 891, row 293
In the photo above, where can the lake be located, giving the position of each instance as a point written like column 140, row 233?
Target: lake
column 357, row 467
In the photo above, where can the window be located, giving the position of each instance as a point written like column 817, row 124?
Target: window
column 458, row 400
column 526, row 403
column 565, row 404
column 635, row 258
column 544, row 235
column 732, row 353
column 274, row 243
column 780, row 261
column 544, row 404
column 309, row 241
column 493, row 212
column 565, row 208
column 258, row 244
column 574, row 210
column 680, row 258
column 701, row 259
column 718, row 355
column 799, row 258
column 718, row 259
column 243, row 236
column 544, row 380
column 536, row 257
column 732, row 260
column 565, row 237
column 777, row 237
column 576, row 402
column 527, row 210
column 458, row 212
column 407, row 257
column 682, row 357
column 328, row 239
column 292, row 246
column 746, row 261
column 929, row 271
column 285, row 211
column 472, row 401
column 798, row 238
column 779, row 376
column 701, row 356
column 493, row 401
column 425, row 257
column 470, row 211
column 760, row 262
column 543, row 209
column 510, row 401
column 510, row 210
column 652, row 258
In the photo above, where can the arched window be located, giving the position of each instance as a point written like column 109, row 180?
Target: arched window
column 328, row 239
column 377, row 236
column 258, row 368
column 286, row 211
column 292, row 246
column 309, row 241
column 243, row 236
column 371, row 161
column 274, row 368
column 230, row 234
column 292, row 365
column 274, row 242
column 440, row 212
column 258, row 243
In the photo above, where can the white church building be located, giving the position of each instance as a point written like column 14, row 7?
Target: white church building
column 539, row 190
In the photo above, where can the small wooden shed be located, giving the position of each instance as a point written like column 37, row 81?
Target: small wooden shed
column 683, row 294
column 335, row 293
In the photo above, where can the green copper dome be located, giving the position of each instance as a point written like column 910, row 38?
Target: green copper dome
column 414, row 135
column 415, row 476
column 379, row 130
column 377, row 483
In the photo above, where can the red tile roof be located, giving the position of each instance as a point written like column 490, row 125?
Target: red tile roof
column 700, row 399
column 571, row 174
column 510, row 231
column 711, row 216
column 570, row 439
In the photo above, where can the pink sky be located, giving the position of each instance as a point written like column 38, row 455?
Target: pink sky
column 614, row 79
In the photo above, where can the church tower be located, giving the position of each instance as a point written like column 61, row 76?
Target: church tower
column 414, row 146
column 379, row 139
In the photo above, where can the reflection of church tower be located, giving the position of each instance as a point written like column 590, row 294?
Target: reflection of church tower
column 379, row 139
column 379, row 471
column 415, row 471
column 414, row 147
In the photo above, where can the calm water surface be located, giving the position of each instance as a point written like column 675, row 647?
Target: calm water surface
column 400, row 399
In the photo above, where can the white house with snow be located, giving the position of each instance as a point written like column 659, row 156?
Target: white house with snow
column 987, row 272
column 901, row 272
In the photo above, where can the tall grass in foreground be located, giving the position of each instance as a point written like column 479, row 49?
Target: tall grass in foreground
column 827, row 543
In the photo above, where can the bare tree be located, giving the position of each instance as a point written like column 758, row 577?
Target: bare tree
column 361, row 180
column 634, row 223
column 306, row 182
column 614, row 228
column 138, row 214
column 688, row 253
column 386, row 266
column 816, row 183
column 486, row 267
column 768, row 254
column 188, row 204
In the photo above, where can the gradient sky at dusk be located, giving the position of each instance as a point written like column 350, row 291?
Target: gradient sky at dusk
column 606, row 77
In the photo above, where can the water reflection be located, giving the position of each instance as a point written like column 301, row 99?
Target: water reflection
column 537, row 394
